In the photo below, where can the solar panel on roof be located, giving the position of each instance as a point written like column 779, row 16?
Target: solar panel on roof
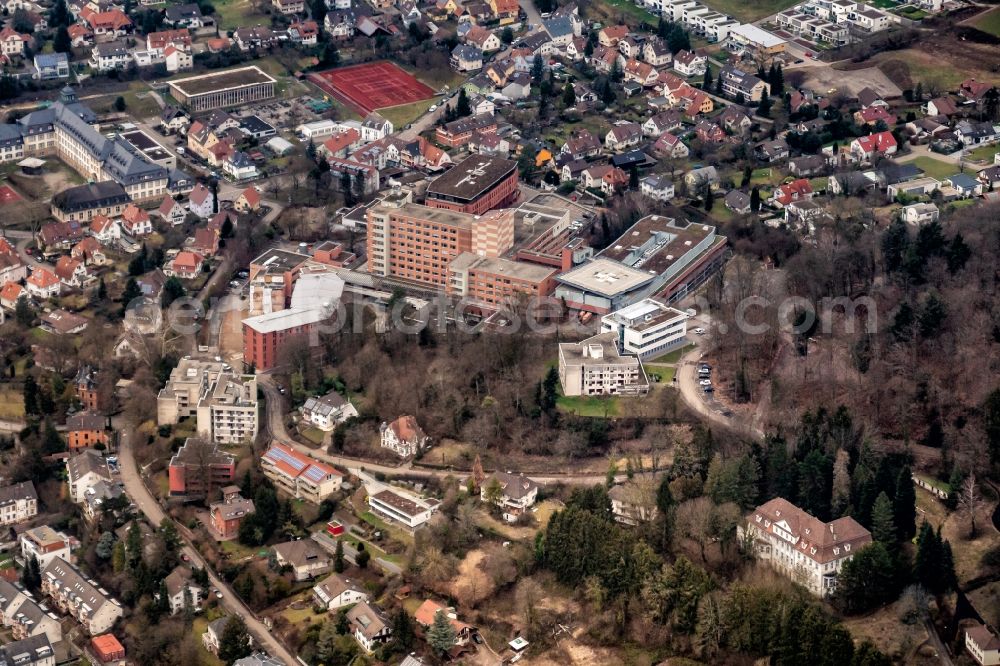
column 314, row 473
column 280, row 455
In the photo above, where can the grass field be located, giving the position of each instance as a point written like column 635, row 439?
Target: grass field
column 989, row 22
column 403, row 115
column 884, row 4
column 751, row 11
column 666, row 372
column 314, row 435
column 238, row 13
column 673, row 356
column 11, row 406
column 629, row 8
column 983, row 153
column 919, row 66
column 583, row 405
column 935, row 168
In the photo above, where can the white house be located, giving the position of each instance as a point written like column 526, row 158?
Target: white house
column 336, row 592
column 657, row 187
column 181, row 590
column 18, row 502
column 404, row 436
column 326, row 411
column 513, row 493
column 172, row 211
column 374, row 127
column 305, row 557
column 983, row 645
column 44, row 544
column 369, row 628
column 803, row 547
column 920, row 213
column 202, row 201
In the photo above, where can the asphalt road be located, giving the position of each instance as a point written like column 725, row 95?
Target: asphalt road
column 154, row 513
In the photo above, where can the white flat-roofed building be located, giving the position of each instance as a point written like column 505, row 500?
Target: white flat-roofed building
column 409, row 510
column 595, row 367
column 748, row 37
column 225, row 88
column 81, row 597
column 648, row 328
column 45, row 544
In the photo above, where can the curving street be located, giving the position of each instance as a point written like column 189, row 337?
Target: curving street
column 136, row 489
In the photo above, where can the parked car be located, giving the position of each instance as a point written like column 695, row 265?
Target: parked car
column 706, row 382
column 699, row 331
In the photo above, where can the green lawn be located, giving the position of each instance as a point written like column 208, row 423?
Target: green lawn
column 238, row 13
column 236, row 550
column 749, row 12
column 935, row 168
column 989, row 22
column 404, row 114
column 11, row 406
column 582, row 405
column 983, row 153
column 314, row 435
column 884, row 4
column 139, row 102
column 910, row 12
column 373, row 520
column 673, row 356
column 631, row 9
column 666, row 372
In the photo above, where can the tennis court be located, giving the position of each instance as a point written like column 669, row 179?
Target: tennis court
column 372, row 86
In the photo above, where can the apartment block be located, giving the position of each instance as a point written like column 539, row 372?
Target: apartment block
column 299, row 475
column 24, row 617
column 415, row 242
column 647, row 329
column 223, row 401
column 79, row 596
column 595, row 367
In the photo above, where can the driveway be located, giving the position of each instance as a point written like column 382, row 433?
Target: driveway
column 275, row 428
column 136, row 489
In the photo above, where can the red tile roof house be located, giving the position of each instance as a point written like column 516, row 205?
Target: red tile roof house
column 709, row 132
column 865, row 148
column 404, row 436
column 71, row 272
column 90, row 252
column 206, row 242
column 227, row 516
column 105, row 229
column 425, row 614
column 797, row 190
column 43, row 283
column 135, row 221
column 248, row 200
column 172, row 211
column 10, row 294
column 872, row 115
column 107, row 26
column 186, row 265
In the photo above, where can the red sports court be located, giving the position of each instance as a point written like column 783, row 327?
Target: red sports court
column 7, row 195
column 371, row 86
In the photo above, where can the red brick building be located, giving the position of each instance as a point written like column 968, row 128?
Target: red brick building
column 198, row 467
column 476, row 185
column 228, row 515
column 264, row 335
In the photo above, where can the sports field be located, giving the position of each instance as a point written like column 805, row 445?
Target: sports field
column 7, row 195
column 371, row 86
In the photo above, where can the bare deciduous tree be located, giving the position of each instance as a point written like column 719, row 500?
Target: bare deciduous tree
column 970, row 501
